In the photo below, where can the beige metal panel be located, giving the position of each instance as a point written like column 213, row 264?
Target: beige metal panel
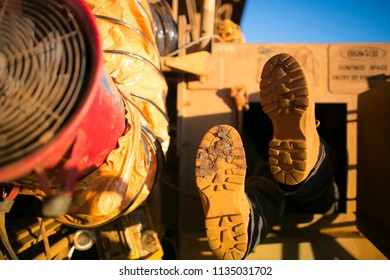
column 335, row 71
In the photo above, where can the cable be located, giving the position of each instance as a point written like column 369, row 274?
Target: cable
column 137, row 56
column 139, row 32
column 152, row 103
column 172, row 186
column 195, row 43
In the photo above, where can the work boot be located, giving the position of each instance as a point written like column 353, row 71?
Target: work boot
column 220, row 170
column 286, row 99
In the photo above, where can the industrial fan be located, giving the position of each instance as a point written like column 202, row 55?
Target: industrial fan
column 59, row 115
column 69, row 136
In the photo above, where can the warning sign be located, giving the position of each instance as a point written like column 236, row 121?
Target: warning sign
column 350, row 66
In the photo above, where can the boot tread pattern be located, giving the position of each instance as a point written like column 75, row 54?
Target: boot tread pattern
column 220, row 170
column 284, row 98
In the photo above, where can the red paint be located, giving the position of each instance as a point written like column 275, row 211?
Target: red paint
column 93, row 130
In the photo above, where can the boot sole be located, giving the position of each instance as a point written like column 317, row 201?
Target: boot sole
column 220, row 170
column 284, row 96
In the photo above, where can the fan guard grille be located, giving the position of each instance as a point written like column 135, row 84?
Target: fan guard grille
column 43, row 64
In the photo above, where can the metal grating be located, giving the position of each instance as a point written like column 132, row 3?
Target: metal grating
column 42, row 70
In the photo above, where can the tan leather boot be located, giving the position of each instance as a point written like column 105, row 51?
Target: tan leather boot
column 220, row 170
column 286, row 99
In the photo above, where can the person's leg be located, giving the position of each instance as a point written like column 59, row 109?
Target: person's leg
column 298, row 157
column 286, row 99
column 220, row 170
column 239, row 217
column 239, row 213
column 318, row 193
column 269, row 199
column 267, row 207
